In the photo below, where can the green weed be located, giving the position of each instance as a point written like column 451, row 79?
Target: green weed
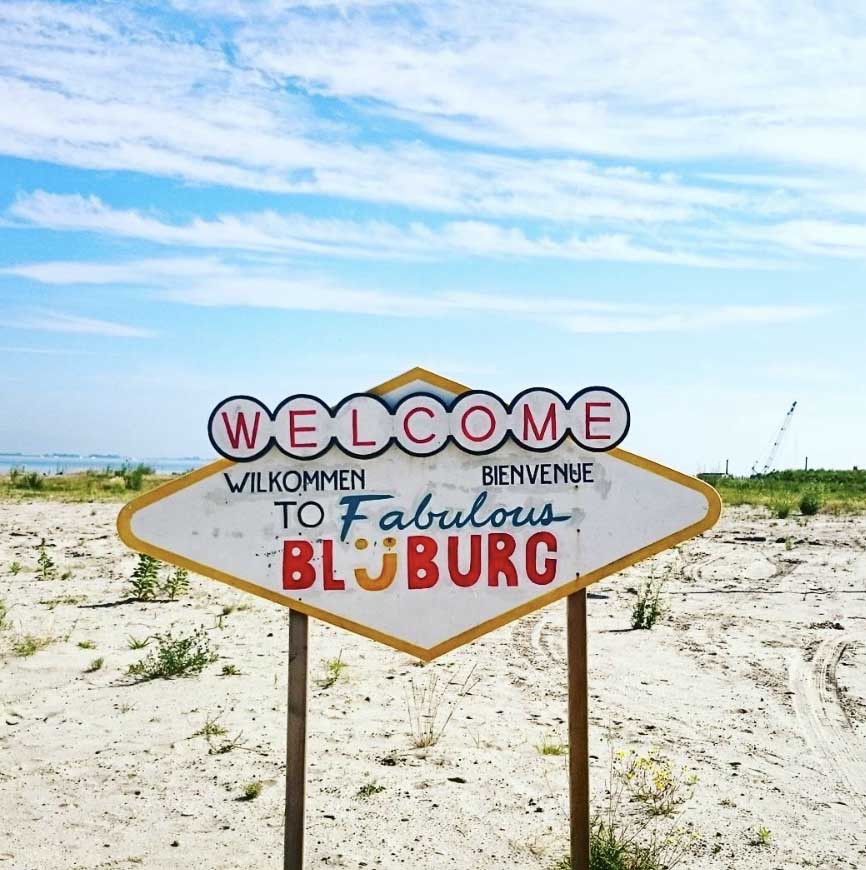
column 229, row 671
column 251, row 791
column 45, row 567
column 86, row 644
column 30, row 644
column 95, row 665
column 15, row 569
column 647, row 607
column 145, row 578
column 137, row 643
column 367, row 790
column 180, row 656
column 333, row 670
column 176, row 584
column 763, row 837
column 550, row 746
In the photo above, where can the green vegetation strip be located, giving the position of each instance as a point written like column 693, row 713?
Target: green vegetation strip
column 791, row 492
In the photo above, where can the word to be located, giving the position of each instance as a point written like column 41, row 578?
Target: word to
column 242, row 428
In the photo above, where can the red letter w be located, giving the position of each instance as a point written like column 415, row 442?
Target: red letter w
column 241, row 427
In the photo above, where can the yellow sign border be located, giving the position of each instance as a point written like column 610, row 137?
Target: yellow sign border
column 124, row 529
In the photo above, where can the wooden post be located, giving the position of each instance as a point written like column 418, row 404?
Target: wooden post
column 578, row 731
column 296, row 742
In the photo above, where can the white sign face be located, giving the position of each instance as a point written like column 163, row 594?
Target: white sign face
column 423, row 553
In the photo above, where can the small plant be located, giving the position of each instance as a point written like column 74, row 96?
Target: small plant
column 3, row 615
column 176, row 584
column 229, row 671
column 95, row 665
column 86, row 644
column 145, row 578
column 30, row 644
column 251, row 791
column 180, row 656
column 810, row 502
column 133, row 476
column 15, row 568
column 137, row 643
column 549, row 746
column 432, row 703
column 21, row 479
column 211, row 728
column 368, row 790
column 333, row 669
column 236, row 742
column 763, row 836
column 648, row 607
column 789, row 543
column 781, row 509
column 652, row 780
column 45, row 567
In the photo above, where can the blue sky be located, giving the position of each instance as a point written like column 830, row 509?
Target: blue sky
column 268, row 197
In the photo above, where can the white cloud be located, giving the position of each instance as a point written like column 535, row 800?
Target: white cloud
column 116, row 90
column 56, row 321
column 271, row 232
column 211, row 282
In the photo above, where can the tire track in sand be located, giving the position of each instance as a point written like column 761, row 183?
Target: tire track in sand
column 822, row 718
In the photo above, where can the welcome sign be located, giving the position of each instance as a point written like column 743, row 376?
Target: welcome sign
column 420, row 514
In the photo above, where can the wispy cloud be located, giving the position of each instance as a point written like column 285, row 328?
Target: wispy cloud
column 294, row 233
column 212, row 282
column 113, row 90
column 56, row 321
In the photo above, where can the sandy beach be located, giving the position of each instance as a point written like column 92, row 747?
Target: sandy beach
column 754, row 681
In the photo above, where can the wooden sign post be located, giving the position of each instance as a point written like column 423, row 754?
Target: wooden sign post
column 422, row 515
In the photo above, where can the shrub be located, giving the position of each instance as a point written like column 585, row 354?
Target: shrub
column 648, row 607
column 133, row 476
column 251, row 791
column 21, row 479
column 45, row 567
column 652, row 780
column 176, row 584
column 145, row 578
column 781, row 509
column 810, row 502
column 180, row 656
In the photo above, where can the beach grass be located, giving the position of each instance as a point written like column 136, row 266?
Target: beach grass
column 109, row 484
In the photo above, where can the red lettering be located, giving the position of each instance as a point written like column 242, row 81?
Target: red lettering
column 331, row 582
column 590, row 419
column 355, row 441
column 500, row 547
column 465, row 430
column 423, row 572
column 298, row 572
column 529, row 420
column 539, row 539
column 241, row 427
column 470, row 577
column 293, row 429
column 409, row 435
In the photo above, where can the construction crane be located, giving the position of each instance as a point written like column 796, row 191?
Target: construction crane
column 776, row 444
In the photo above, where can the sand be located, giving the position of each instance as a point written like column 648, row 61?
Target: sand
column 755, row 681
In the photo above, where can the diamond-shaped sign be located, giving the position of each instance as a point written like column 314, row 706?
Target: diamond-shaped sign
column 423, row 553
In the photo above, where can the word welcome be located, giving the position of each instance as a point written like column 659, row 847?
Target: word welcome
column 242, row 428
